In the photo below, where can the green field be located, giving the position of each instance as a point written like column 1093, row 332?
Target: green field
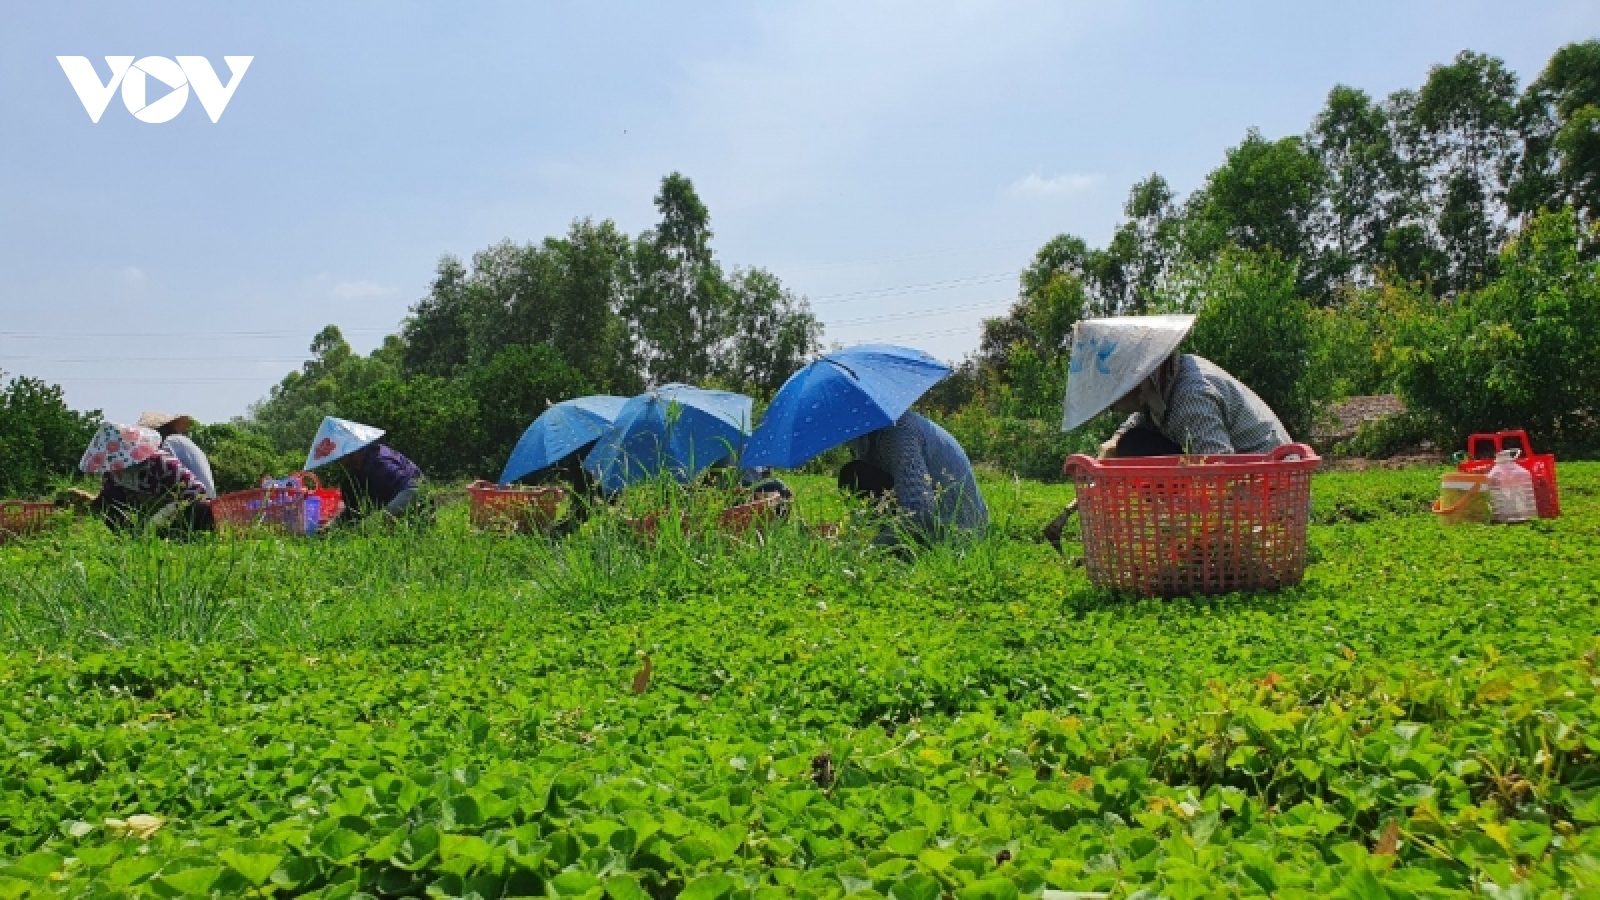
column 398, row 712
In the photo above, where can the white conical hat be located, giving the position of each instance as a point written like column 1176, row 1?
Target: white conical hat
column 1111, row 356
column 339, row 437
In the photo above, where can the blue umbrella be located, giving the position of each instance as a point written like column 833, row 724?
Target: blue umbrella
column 840, row 396
column 675, row 428
column 559, row 431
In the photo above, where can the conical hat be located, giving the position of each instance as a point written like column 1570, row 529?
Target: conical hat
column 1111, row 356
column 117, row 447
column 159, row 420
column 339, row 437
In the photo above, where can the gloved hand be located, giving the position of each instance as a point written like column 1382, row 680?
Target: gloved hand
column 163, row 516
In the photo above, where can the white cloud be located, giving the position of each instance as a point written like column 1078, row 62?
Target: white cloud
column 359, row 290
column 132, row 275
column 1055, row 186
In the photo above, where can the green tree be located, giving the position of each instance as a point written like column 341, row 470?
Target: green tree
column 1035, row 332
column 592, row 269
column 436, row 334
column 1461, row 130
column 1252, row 321
column 691, row 323
column 41, row 438
column 510, row 392
column 681, row 306
column 565, row 292
column 1371, row 190
column 294, row 408
column 774, row 333
column 1560, row 111
column 434, row 421
column 1265, row 196
column 1145, row 246
column 241, row 454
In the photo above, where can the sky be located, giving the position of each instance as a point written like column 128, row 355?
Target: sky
column 896, row 163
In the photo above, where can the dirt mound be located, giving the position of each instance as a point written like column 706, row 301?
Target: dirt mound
column 1348, row 415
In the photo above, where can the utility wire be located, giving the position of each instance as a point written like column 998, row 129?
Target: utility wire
column 930, row 254
column 827, row 299
column 922, row 314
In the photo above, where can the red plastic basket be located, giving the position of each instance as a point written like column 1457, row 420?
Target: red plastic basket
column 330, row 501
column 513, row 509
column 1542, row 466
column 736, row 521
column 1168, row 525
column 753, row 516
column 271, row 508
column 19, row 517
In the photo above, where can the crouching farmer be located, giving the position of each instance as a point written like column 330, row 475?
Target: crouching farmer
column 142, row 483
column 377, row 478
column 927, row 474
column 1177, row 403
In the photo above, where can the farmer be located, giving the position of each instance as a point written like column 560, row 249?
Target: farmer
column 1179, row 403
column 582, row 489
column 922, row 468
column 174, row 431
column 377, row 477
column 142, row 481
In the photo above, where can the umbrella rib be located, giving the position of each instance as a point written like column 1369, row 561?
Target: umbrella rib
column 848, row 371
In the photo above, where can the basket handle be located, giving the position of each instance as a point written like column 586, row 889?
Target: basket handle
column 1079, row 462
column 1498, row 441
column 13, row 507
column 308, row 480
column 1466, row 497
column 1303, row 451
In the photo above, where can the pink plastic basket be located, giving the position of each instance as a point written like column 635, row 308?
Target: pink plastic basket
column 1168, row 525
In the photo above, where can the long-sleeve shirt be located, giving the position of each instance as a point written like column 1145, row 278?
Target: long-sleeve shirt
column 194, row 459
column 383, row 474
column 160, row 476
column 1209, row 411
column 933, row 479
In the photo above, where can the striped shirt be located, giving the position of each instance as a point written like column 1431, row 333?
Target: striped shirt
column 1210, row 411
column 933, row 479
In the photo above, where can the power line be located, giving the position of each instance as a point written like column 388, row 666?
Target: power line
column 156, row 359
column 913, row 336
column 930, row 254
column 944, row 310
column 139, row 379
column 165, row 335
column 827, row 299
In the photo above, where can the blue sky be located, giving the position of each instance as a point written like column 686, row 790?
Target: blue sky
column 896, row 162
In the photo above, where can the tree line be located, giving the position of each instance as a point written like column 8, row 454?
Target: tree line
column 1440, row 242
column 525, row 325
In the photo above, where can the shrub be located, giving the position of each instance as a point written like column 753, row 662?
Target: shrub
column 1386, row 436
column 240, row 455
column 432, row 420
column 1520, row 353
column 511, row 391
column 41, row 438
column 1030, row 448
column 1253, row 323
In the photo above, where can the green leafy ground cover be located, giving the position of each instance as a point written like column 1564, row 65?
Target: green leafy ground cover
column 443, row 713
